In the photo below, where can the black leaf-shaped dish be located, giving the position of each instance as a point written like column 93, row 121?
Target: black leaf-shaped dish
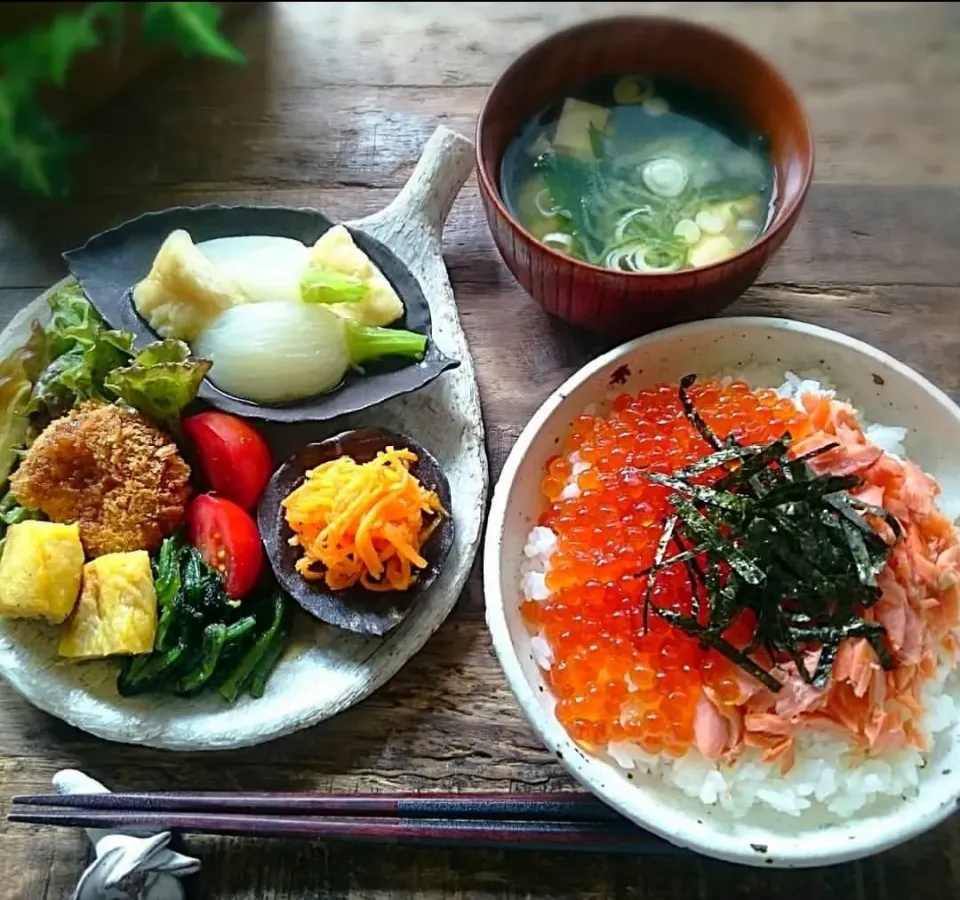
column 113, row 262
column 355, row 609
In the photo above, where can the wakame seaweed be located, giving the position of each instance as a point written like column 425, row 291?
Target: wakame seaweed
column 802, row 557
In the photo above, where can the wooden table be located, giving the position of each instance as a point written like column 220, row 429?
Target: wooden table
column 332, row 112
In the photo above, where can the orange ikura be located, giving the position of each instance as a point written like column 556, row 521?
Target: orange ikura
column 593, row 619
column 619, row 677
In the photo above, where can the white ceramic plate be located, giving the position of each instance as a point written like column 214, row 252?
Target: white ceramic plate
column 326, row 670
column 887, row 392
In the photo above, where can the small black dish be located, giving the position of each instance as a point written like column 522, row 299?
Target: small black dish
column 112, row 263
column 355, row 609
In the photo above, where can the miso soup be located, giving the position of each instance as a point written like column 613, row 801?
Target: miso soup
column 640, row 175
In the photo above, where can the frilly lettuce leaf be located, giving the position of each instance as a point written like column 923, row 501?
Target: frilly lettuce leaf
column 17, row 374
column 160, row 381
column 75, row 357
column 12, row 513
column 82, row 351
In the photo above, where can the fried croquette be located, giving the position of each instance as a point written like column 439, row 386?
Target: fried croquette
column 111, row 471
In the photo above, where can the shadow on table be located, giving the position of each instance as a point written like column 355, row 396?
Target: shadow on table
column 296, row 869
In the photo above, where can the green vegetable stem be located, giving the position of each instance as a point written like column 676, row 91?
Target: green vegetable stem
column 204, row 639
column 258, row 662
column 367, row 342
column 320, row 285
column 33, row 150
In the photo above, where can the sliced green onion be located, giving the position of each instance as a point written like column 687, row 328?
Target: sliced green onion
column 688, row 230
column 558, row 240
column 656, row 260
column 710, row 222
column 545, row 205
column 623, row 223
column 665, row 176
column 645, row 258
column 621, row 257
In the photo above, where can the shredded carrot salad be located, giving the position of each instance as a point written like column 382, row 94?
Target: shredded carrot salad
column 363, row 523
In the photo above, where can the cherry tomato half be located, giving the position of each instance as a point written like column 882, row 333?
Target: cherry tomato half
column 235, row 459
column 228, row 540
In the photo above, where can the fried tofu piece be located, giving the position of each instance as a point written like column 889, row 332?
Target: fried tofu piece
column 184, row 291
column 40, row 571
column 117, row 612
column 712, row 249
column 336, row 251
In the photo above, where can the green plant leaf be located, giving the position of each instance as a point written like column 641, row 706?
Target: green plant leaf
column 33, row 152
column 69, row 36
column 191, row 27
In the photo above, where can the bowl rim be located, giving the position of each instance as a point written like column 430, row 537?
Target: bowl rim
column 784, row 216
column 725, row 847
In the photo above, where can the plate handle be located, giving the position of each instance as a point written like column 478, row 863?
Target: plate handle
column 412, row 225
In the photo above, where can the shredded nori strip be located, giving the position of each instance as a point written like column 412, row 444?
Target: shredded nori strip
column 661, row 551
column 802, row 554
column 720, row 644
column 691, row 412
column 714, row 460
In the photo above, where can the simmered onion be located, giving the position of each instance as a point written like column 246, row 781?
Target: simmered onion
column 276, row 351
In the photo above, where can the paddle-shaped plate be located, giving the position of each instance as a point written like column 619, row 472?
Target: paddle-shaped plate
column 111, row 263
column 327, row 669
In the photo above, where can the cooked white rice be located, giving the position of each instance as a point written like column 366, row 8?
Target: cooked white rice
column 826, row 774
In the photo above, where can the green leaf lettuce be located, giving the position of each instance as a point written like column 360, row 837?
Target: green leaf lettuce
column 17, row 374
column 160, row 381
column 82, row 350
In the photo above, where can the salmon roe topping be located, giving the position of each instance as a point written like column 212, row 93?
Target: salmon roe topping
column 613, row 679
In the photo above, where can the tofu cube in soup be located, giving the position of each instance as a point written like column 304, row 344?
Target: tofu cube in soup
column 712, row 249
column 117, row 612
column 40, row 571
column 573, row 129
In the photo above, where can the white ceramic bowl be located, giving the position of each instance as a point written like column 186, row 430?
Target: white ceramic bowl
column 886, row 391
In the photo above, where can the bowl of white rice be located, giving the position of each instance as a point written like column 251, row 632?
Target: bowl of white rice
column 795, row 770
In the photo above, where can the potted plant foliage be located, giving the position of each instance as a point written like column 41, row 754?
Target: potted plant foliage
column 57, row 60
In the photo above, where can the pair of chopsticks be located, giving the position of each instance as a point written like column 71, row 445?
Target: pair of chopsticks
column 548, row 821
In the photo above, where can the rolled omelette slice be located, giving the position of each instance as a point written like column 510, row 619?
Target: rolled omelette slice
column 117, row 611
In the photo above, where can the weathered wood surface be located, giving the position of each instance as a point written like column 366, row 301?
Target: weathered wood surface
column 332, row 111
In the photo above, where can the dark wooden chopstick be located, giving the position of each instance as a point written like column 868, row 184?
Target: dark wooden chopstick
column 559, row 821
column 569, row 806
column 609, row 837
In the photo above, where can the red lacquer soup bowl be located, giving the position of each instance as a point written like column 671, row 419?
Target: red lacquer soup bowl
column 630, row 303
